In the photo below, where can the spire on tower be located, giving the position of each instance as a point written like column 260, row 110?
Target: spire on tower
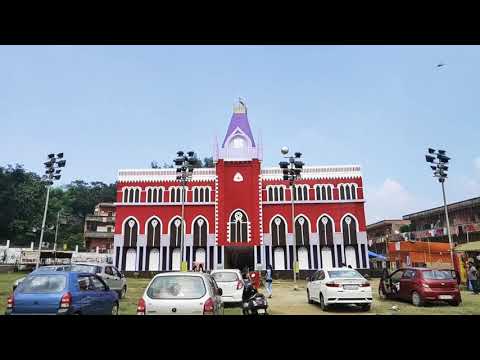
column 240, row 107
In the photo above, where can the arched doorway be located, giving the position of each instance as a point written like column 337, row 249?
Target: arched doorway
column 200, row 257
column 326, row 254
column 350, row 256
column 279, row 256
column 154, row 260
column 131, row 260
column 303, row 258
column 176, row 259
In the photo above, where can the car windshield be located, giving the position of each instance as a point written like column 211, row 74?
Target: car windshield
column 46, row 269
column 337, row 274
column 83, row 268
column 437, row 275
column 177, row 287
column 225, row 276
column 43, row 284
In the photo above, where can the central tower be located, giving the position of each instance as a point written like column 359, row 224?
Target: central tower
column 238, row 191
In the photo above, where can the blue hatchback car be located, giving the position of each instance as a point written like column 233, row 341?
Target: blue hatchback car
column 62, row 293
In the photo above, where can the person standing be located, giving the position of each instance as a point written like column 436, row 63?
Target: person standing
column 269, row 280
column 473, row 278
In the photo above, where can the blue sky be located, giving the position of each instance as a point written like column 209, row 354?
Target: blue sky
column 112, row 107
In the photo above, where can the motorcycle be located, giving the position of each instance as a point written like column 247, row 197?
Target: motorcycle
column 253, row 302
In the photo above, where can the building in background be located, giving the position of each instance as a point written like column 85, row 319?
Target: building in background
column 239, row 213
column 464, row 219
column 383, row 232
column 100, row 228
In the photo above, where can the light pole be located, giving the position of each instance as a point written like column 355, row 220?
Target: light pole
column 440, row 168
column 292, row 170
column 184, row 164
column 52, row 173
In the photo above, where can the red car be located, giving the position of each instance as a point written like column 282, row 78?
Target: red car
column 421, row 285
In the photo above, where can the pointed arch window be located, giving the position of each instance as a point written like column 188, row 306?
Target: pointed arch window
column 329, row 193
column 354, row 191
column 131, row 194
column 349, row 229
column 347, row 192
column 154, row 231
column 301, row 192
column 325, row 230
column 176, row 231
column 200, row 227
column 130, row 233
column 342, row 192
column 302, row 231
column 278, row 229
column 238, row 227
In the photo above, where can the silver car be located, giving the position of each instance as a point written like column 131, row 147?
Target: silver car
column 115, row 280
column 181, row 293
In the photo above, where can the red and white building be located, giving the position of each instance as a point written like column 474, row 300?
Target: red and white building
column 240, row 213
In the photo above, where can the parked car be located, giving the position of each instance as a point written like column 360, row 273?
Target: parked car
column 109, row 273
column 339, row 286
column 181, row 293
column 42, row 269
column 421, row 285
column 62, row 293
column 231, row 283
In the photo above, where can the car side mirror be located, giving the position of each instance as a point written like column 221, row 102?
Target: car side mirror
column 220, row 292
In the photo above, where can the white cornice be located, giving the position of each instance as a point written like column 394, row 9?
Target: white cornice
column 154, row 175
column 317, row 172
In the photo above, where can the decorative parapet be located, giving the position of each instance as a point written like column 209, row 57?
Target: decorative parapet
column 155, row 175
column 317, row 172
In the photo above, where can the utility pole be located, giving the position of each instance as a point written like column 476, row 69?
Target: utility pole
column 52, row 173
column 184, row 164
column 439, row 159
column 292, row 170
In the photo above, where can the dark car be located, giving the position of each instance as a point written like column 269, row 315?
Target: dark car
column 421, row 285
column 62, row 293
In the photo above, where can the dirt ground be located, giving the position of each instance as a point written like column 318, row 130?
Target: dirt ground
column 286, row 301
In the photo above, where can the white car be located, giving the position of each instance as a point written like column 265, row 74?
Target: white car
column 339, row 286
column 231, row 283
column 181, row 293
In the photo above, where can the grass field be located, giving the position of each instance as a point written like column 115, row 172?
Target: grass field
column 286, row 301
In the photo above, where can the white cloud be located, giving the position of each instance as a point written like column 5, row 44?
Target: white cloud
column 389, row 201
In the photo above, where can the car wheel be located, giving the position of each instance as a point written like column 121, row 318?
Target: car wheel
column 366, row 307
column 323, row 306
column 115, row 309
column 310, row 301
column 123, row 293
column 416, row 299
